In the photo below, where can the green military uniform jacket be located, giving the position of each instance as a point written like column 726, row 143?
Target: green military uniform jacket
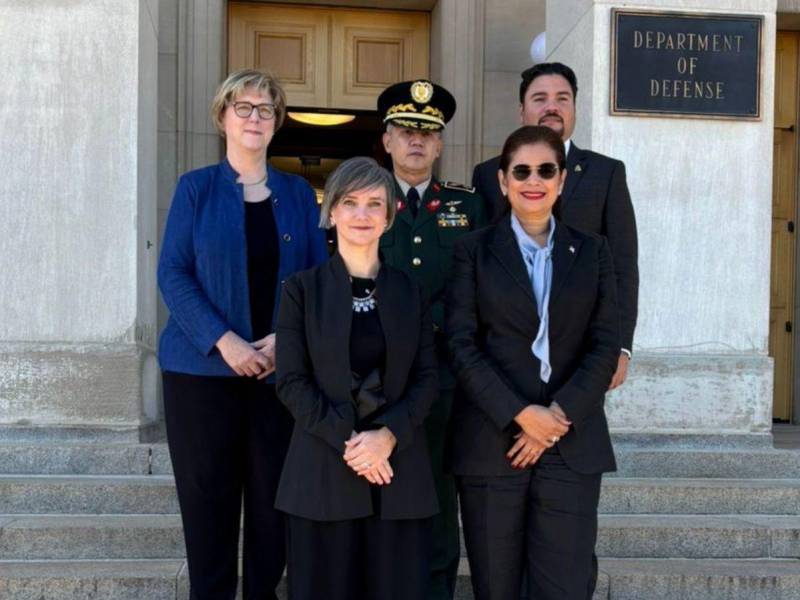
column 422, row 246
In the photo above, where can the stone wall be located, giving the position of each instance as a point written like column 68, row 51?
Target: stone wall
column 702, row 193
column 77, row 211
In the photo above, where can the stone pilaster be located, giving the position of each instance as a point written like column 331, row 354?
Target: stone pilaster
column 78, row 157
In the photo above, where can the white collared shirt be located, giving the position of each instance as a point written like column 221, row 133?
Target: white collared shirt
column 406, row 186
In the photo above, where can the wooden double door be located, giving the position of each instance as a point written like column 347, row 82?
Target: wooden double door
column 330, row 58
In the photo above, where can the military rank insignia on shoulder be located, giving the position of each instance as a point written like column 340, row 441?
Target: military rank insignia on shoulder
column 452, row 185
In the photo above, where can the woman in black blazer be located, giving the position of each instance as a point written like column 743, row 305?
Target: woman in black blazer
column 532, row 329
column 358, row 372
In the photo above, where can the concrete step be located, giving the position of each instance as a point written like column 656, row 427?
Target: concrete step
column 666, row 579
column 76, row 458
column 86, row 537
column 105, row 458
column 81, row 537
column 700, row 496
column 94, row 580
column 140, row 580
column 681, row 536
column 620, row 579
column 88, row 494
column 730, row 463
column 125, row 580
column 131, row 494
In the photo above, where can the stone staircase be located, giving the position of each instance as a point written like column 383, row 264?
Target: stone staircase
column 86, row 521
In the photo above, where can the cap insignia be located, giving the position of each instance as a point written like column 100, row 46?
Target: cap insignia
column 422, row 91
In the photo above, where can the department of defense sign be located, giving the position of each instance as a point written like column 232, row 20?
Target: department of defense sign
column 686, row 64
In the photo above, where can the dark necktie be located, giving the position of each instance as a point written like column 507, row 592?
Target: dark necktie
column 413, row 200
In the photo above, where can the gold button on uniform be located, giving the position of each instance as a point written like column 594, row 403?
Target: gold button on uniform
column 416, row 262
column 417, row 239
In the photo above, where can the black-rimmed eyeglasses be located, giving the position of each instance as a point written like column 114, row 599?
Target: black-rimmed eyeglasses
column 245, row 109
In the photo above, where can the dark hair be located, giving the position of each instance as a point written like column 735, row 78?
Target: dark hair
column 533, row 134
column 553, row 68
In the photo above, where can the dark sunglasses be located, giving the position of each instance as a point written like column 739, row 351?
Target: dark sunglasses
column 545, row 171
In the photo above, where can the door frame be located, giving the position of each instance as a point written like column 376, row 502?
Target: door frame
column 791, row 22
column 456, row 63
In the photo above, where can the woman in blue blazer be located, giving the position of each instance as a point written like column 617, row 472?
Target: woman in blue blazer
column 235, row 232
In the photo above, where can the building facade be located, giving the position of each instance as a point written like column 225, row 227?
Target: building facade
column 97, row 127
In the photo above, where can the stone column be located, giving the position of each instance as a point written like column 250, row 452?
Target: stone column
column 201, row 68
column 78, row 218
column 506, row 54
column 702, row 193
column 457, row 64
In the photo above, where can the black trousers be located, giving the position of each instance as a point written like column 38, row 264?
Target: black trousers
column 542, row 522
column 359, row 559
column 445, row 548
column 227, row 439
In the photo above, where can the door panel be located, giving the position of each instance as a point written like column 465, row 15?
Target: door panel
column 369, row 54
column 290, row 42
column 784, row 202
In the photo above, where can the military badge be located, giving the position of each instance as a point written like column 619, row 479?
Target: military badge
column 452, row 220
column 400, row 205
column 433, row 205
column 422, row 91
column 452, row 185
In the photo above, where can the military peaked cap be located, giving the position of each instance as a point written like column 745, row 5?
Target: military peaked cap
column 419, row 104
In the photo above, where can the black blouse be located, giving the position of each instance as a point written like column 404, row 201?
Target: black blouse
column 263, row 256
column 367, row 342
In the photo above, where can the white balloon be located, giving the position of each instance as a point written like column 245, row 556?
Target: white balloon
column 538, row 48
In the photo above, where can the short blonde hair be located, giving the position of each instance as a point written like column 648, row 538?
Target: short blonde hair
column 236, row 83
column 353, row 175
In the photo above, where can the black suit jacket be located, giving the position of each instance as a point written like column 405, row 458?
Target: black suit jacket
column 491, row 322
column 595, row 200
column 314, row 382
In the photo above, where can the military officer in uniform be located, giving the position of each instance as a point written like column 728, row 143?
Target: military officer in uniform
column 431, row 215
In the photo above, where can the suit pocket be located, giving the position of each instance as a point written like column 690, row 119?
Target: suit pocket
column 387, row 239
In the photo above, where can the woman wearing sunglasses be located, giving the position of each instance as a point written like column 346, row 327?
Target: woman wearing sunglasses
column 236, row 230
column 532, row 332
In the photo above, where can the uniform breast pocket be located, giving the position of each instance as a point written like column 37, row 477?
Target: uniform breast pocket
column 447, row 237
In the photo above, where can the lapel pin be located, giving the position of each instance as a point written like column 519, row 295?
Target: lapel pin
column 578, row 169
column 572, row 249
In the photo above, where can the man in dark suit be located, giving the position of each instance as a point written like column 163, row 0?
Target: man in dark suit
column 595, row 197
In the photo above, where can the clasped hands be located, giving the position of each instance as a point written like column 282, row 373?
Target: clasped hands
column 541, row 427
column 256, row 359
column 367, row 453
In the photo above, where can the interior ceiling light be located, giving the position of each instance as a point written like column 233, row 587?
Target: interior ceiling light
column 324, row 119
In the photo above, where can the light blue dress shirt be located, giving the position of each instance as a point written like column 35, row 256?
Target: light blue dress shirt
column 539, row 263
